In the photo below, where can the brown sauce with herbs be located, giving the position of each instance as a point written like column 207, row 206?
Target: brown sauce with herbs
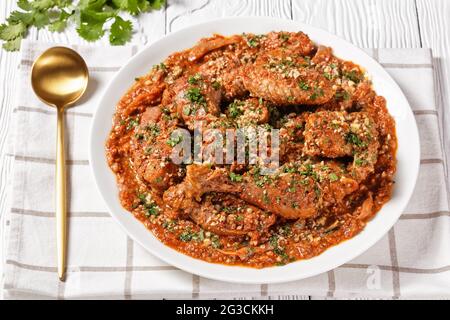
column 337, row 150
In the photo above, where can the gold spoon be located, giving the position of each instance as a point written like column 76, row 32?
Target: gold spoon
column 59, row 78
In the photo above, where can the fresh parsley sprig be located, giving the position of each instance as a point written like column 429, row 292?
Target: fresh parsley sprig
column 90, row 16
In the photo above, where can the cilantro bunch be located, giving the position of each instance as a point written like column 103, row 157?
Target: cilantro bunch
column 92, row 18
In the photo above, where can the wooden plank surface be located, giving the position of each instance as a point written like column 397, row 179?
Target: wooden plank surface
column 182, row 13
column 433, row 16
column 366, row 23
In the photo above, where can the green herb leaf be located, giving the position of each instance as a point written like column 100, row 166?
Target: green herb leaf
column 91, row 24
column 120, row 31
column 24, row 5
column 61, row 23
column 41, row 19
column 42, row 4
column 24, row 17
column 91, row 16
column 156, row 4
column 12, row 45
column 12, row 31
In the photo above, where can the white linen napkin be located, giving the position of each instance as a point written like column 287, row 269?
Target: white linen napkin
column 412, row 260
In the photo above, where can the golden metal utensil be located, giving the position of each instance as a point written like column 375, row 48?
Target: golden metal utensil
column 59, row 78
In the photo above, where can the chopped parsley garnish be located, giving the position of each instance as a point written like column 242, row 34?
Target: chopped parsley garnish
column 132, row 122
column 150, row 207
column 153, row 129
column 279, row 251
column 333, row 177
column 160, row 66
column 189, row 235
column 151, row 210
column 273, row 241
column 265, row 197
column 354, row 139
column 148, row 150
column 284, row 36
column 169, row 225
column 317, row 191
column 174, row 140
column 253, row 41
column 308, row 170
column 359, row 162
column 215, row 85
column 354, row 76
column 195, row 96
column 186, row 236
column 235, row 177
column 343, row 94
column 234, row 109
column 194, row 79
column 289, row 169
column 318, row 92
column 303, row 85
column 215, row 242
column 286, row 230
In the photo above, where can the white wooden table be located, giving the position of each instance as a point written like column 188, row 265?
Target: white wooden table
column 366, row 23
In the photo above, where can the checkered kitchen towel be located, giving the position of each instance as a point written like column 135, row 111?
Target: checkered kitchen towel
column 412, row 260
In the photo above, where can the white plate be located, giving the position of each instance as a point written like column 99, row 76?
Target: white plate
column 408, row 154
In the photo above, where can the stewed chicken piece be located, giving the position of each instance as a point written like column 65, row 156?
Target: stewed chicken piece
column 226, row 214
column 298, row 191
column 335, row 134
column 194, row 98
column 151, row 146
column 221, row 213
column 285, row 77
column 297, row 42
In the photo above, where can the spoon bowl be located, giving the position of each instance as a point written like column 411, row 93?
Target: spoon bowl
column 59, row 77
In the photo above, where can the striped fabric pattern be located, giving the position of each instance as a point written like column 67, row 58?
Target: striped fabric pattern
column 412, row 260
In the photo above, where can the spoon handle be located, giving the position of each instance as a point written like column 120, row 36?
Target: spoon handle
column 61, row 215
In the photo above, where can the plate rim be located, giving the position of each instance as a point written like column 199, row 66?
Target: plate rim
column 191, row 267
